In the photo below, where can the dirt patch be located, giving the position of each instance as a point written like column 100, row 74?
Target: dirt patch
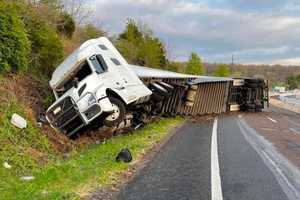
column 37, row 155
column 199, row 119
column 28, row 90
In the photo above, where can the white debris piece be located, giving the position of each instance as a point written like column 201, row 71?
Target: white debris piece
column 27, row 178
column 6, row 165
column 18, row 121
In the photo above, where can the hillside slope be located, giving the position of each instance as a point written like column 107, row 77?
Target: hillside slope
column 33, row 146
column 61, row 168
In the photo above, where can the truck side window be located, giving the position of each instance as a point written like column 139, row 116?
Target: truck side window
column 103, row 47
column 115, row 61
column 98, row 63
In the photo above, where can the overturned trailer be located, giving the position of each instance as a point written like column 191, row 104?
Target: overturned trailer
column 203, row 95
column 96, row 84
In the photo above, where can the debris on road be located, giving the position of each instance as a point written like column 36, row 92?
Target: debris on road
column 6, row 165
column 27, row 178
column 18, row 121
column 124, row 155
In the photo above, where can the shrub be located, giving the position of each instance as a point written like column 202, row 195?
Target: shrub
column 89, row 31
column 222, row 71
column 14, row 44
column 47, row 47
column 66, row 25
column 139, row 46
column 195, row 65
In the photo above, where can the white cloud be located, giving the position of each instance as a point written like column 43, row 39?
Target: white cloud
column 288, row 61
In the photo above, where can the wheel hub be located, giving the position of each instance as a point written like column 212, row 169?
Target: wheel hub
column 115, row 115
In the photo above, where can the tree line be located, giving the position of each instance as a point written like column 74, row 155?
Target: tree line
column 35, row 36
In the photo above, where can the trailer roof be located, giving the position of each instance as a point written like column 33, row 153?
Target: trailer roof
column 145, row 72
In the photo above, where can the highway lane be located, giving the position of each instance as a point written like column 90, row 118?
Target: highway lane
column 249, row 167
column 181, row 170
column 244, row 173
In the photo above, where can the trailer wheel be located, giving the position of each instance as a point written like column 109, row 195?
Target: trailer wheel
column 254, row 83
column 251, row 85
column 118, row 114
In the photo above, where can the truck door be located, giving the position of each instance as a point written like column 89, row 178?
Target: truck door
column 106, row 74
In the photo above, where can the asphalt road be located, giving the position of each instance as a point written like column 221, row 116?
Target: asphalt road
column 240, row 165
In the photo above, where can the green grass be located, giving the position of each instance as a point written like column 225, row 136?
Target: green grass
column 14, row 142
column 85, row 170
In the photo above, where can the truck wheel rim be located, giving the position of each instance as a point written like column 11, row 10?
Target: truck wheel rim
column 115, row 115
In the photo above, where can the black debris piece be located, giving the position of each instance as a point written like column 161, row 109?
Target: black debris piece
column 124, row 156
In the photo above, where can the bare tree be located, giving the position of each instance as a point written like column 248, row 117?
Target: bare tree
column 79, row 10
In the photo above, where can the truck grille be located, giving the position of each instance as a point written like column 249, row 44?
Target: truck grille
column 65, row 117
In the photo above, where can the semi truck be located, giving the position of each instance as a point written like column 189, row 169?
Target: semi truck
column 95, row 84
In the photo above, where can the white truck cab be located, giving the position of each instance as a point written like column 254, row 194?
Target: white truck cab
column 94, row 80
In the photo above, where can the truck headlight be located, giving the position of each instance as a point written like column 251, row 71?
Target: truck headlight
column 86, row 101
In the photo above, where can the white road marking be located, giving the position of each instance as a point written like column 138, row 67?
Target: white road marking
column 216, row 187
column 272, row 120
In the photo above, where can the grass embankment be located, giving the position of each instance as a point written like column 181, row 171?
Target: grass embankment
column 30, row 152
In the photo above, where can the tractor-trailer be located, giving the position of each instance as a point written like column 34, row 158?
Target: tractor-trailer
column 96, row 84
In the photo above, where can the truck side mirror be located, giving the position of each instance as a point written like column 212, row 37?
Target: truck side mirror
column 75, row 82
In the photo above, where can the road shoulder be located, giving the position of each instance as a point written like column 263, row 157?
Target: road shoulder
column 110, row 192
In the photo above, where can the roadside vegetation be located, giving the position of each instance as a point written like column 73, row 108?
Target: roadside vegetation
column 293, row 81
column 85, row 169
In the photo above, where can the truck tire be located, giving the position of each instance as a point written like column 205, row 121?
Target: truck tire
column 118, row 115
column 254, row 83
column 251, row 85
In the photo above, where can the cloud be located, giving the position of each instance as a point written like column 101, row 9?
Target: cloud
column 255, row 5
column 214, row 29
column 288, row 61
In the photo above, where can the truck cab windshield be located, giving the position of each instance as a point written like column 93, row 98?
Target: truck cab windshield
column 82, row 71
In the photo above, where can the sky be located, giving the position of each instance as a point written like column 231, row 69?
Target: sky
column 254, row 31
